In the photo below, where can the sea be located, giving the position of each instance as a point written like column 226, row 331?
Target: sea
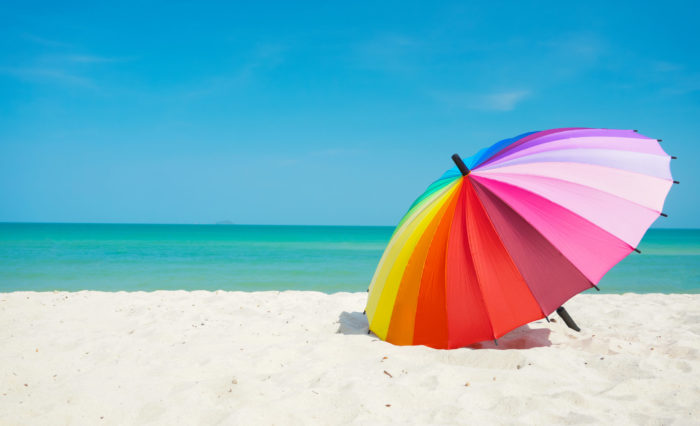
column 329, row 259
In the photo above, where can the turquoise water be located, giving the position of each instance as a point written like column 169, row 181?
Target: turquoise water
column 240, row 257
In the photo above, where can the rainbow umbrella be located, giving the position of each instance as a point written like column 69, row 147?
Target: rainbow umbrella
column 511, row 233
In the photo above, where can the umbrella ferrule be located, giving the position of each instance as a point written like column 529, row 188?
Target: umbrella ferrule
column 460, row 164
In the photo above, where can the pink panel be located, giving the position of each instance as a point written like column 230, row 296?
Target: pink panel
column 647, row 191
column 591, row 249
column 626, row 220
column 552, row 279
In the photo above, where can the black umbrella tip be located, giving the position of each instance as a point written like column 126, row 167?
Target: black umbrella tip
column 460, row 164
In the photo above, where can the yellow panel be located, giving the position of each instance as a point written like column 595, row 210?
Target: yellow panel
column 391, row 268
column 390, row 253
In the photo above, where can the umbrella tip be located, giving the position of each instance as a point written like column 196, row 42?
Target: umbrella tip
column 676, row 182
column 635, row 130
column 673, row 157
column 637, row 250
column 663, row 214
column 460, row 164
column 659, row 140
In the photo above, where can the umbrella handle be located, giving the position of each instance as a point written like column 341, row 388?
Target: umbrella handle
column 567, row 318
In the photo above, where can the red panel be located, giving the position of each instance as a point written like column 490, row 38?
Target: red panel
column 507, row 297
column 467, row 319
column 431, row 316
column 404, row 314
column 550, row 276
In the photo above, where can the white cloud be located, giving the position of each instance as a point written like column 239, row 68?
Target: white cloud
column 495, row 101
column 504, row 101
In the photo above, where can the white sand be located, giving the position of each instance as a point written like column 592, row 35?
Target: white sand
column 305, row 358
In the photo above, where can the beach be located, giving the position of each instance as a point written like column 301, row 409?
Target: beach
column 303, row 357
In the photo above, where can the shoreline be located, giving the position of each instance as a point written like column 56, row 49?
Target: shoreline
column 305, row 357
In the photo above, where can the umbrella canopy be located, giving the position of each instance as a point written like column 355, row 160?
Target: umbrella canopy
column 511, row 233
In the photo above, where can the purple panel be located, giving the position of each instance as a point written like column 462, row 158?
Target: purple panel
column 558, row 134
column 519, row 142
column 646, row 164
column 648, row 146
column 551, row 277
column 570, row 134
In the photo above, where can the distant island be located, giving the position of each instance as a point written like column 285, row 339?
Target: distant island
column 225, row 222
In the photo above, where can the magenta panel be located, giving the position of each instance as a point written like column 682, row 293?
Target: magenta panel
column 591, row 249
column 552, row 279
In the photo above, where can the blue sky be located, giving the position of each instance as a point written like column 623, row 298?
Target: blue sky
column 318, row 113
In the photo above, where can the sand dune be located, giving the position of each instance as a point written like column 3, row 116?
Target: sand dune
column 306, row 358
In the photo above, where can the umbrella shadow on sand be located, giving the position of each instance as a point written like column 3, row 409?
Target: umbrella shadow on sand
column 523, row 337
column 352, row 323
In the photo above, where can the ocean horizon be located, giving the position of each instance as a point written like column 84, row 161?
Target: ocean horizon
column 329, row 259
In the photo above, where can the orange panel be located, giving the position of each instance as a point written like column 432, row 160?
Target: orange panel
column 404, row 313
column 431, row 316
